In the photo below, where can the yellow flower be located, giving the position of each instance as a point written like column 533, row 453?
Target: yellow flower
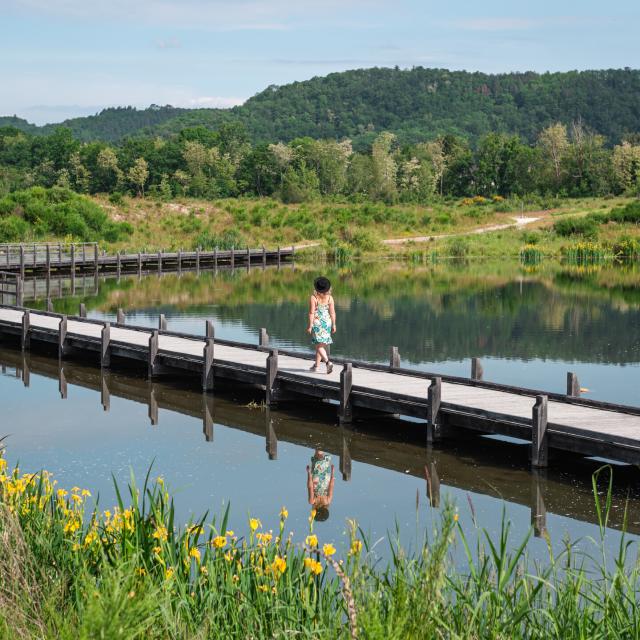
column 284, row 514
column 204, row 571
column 356, row 546
column 279, row 564
column 312, row 540
column 76, row 498
column 75, row 547
column 195, row 553
column 254, row 523
column 157, row 550
column 328, row 549
column 160, row 480
column 161, row 533
column 455, row 517
column 264, row 538
column 263, row 587
column 75, row 490
column 61, row 493
column 228, row 556
column 141, row 571
column 219, row 542
column 168, row 574
column 235, row 578
column 313, row 565
column 230, row 534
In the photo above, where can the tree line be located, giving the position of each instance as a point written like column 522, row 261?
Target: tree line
column 198, row 162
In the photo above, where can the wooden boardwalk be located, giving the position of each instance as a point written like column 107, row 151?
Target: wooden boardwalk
column 549, row 421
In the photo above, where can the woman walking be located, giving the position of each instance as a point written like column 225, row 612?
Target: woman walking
column 322, row 321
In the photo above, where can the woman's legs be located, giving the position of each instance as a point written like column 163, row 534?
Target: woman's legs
column 319, row 356
column 323, row 353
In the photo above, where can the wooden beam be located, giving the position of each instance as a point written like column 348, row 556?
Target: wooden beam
column 82, row 310
column 48, row 259
column 62, row 337
column 209, row 329
column 345, row 455
column 345, row 409
column 105, row 348
column 271, row 439
column 26, row 370
column 263, row 340
column 25, row 341
column 153, row 406
column 264, row 257
column 233, row 257
column 159, row 261
column 95, row 256
column 271, row 374
column 62, row 383
column 198, row 259
column 394, row 358
column 539, row 440
column 434, row 431
column 207, row 369
column 105, row 394
column 207, row 417
column 120, row 317
column 476, row 369
column 153, row 352
column 139, row 262
column 215, row 258
column 573, row 386
column 538, row 508
column 162, row 322
column 73, row 258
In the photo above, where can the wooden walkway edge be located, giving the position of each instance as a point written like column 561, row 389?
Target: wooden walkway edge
column 549, row 421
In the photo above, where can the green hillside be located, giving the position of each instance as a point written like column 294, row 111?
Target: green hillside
column 416, row 104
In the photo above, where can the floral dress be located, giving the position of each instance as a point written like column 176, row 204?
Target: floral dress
column 321, row 474
column 321, row 329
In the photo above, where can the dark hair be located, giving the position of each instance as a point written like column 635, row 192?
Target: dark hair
column 322, row 514
column 322, row 284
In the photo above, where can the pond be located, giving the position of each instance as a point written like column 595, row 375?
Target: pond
column 529, row 326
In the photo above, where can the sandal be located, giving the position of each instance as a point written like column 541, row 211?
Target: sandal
column 329, row 367
column 313, row 368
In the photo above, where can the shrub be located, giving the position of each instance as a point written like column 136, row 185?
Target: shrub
column 574, row 226
column 229, row 239
column 13, row 229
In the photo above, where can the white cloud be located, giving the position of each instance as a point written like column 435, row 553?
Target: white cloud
column 168, row 43
column 213, row 102
column 506, row 23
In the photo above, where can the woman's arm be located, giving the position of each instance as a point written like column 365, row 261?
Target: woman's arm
column 310, row 492
column 330, row 492
column 332, row 313
column 312, row 312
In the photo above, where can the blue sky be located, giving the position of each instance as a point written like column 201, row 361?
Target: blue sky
column 60, row 58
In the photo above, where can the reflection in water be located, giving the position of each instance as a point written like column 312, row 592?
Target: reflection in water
column 379, row 469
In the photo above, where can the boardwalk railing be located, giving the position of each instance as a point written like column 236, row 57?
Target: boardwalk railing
column 37, row 254
column 11, row 288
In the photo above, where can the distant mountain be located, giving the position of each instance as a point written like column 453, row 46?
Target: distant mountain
column 416, row 104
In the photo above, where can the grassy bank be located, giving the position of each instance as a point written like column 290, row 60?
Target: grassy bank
column 68, row 570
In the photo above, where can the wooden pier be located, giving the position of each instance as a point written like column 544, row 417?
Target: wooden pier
column 556, row 422
column 50, row 258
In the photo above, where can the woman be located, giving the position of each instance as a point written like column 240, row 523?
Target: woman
column 320, row 483
column 322, row 321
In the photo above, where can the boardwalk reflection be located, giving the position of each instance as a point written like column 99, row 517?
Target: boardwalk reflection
column 501, row 470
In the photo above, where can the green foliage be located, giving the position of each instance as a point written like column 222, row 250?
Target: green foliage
column 576, row 226
column 13, row 229
column 230, row 239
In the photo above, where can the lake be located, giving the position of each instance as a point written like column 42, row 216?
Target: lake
column 529, row 325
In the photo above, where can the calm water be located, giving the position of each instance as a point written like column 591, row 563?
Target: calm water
column 529, row 327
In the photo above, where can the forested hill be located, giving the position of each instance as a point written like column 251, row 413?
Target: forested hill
column 416, row 104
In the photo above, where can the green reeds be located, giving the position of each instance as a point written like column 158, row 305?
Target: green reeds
column 67, row 571
column 586, row 252
column 530, row 254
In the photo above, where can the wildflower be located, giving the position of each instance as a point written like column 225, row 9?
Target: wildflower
column 264, row 538
column 455, row 517
column 219, row 542
column 263, row 587
column 132, row 594
column 160, row 480
column 230, row 534
column 75, row 547
column 141, row 571
column 228, row 556
column 356, row 547
column 204, row 571
column 328, row 549
column 284, row 514
column 161, row 533
column 312, row 540
column 254, row 523
column 75, row 490
column 76, row 498
column 235, row 578
column 61, row 493
column 279, row 564
column 157, row 550
column 195, row 553
column 313, row 565
column 168, row 574
column 86, row 493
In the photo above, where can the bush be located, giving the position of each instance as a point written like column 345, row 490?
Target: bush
column 574, row 226
column 13, row 229
column 227, row 240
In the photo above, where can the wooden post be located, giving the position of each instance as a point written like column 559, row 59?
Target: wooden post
column 105, row 349
column 264, row 338
column 59, row 253
column 105, row 394
column 73, row 258
column 271, row 373
column 207, row 417
column 433, row 410
column 139, row 262
column 394, row 358
column 159, row 261
column 19, row 290
column 118, row 263
column 279, row 256
column 21, row 261
column 95, row 256
column 233, row 257
column 573, row 386
column 433, row 483
column 179, row 259
column 207, row 369
column 26, row 370
column 49, row 305
column 345, row 411
column 35, row 255
column 264, row 257
column 215, row 257
column 25, row 342
column 48, row 259
column 84, row 253
column 271, row 438
column 539, row 441
column 209, row 330
column 62, row 383
column 62, row 337
column 153, row 352
column 120, row 317
column 538, row 509
column 198, row 259
column 476, row 369
column 162, row 322
column 82, row 310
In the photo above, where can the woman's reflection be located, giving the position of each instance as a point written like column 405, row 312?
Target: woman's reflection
column 320, row 482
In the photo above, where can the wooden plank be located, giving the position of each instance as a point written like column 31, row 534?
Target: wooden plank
column 153, row 353
column 105, row 395
column 209, row 330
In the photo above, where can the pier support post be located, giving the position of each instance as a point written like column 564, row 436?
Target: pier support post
column 433, row 482
column 62, row 338
column 394, row 358
column 271, row 439
column 573, row 386
column 62, row 383
column 539, row 442
column 48, row 259
column 215, row 258
column 433, row 410
column 345, row 456
column 105, row 346
column 207, row 417
column 153, row 353
column 118, row 264
column 95, row 256
column 120, row 317
column 22, row 261
column 139, row 263
column 233, row 257
column 538, row 508
column 153, row 405
column 159, row 261
column 279, row 257
column 272, row 372
column 26, row 370
column 82, row 310
column 49, row 305
column 345, row 410
column 209, row 330
column 198, row 260
column 105, row 394
column 264, row 257
column 162, row 322
column 264, row 338
column 73, row 258
column 25, row 341
column 207, row 369
column 179, row 260
column 476, row 369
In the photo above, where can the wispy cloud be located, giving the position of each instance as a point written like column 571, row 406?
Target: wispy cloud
column 168, row 43
column 506, row 23
column 218, row 102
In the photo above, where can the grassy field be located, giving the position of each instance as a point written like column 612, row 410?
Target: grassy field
column 69, row 569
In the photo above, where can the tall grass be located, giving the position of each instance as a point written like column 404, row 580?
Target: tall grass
column 68, row 571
